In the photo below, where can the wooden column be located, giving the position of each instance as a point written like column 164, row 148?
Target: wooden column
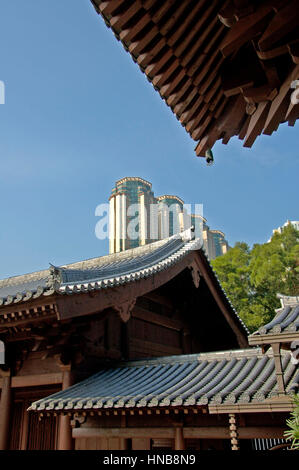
column 278, row 368
column 233, row 432
column 25, row 424
column 65, row 441
column 123, row 444
column 5, row 406
column 179, row 441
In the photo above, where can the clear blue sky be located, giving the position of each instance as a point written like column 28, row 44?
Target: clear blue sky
column 79, row 115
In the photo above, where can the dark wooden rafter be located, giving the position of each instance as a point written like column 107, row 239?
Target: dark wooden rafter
column 20, row 315
column 199, row 54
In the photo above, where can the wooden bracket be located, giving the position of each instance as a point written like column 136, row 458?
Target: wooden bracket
column 124, row 310
column 77, row 421
column 196, row 274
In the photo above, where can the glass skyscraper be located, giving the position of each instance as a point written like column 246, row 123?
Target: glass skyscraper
column 129, row 214
column 137, row 217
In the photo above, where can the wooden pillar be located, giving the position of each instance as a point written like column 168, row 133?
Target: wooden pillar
column 5, row 406
column 65, row 441
column 278, row 368
column 233, row 432
column 123, row 443
column 25, row 425
column 179, row 441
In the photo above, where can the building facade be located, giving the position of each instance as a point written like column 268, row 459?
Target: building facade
column 220, row 244
column 115, row 353
column 129, row 212
column 62, row 324
column 294, row 223
column 170, row 216
column 137, row 217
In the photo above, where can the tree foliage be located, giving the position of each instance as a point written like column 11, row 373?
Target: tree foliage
column 253, row 277
column 292, row 434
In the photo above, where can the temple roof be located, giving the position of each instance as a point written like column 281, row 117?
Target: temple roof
column 97, row 273
column 108, row 271
column 230, row 377
column 284, row 327
column 225, row 68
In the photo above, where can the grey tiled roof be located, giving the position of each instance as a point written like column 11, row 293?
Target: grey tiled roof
column 286, row 320
column 229, row 377
column 97, row 273
column 106, row 271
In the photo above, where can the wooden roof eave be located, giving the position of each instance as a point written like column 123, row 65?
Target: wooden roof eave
column 268, row 339
column 176, row 47
column 282, row 404
column 27, row 312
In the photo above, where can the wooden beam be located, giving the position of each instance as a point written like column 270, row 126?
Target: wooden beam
column 278, row 368
column 145, row 432
column 198, row 132
column 294, row 52
column 150, row 317
column 260, row 94
column 179, row 441
column 129, row 34
column 177, row 94
column 24, row 429
column 141, row 44
column 232, row 119
column 183, row 32
column 118, row 21
column 195, row 121
column 274, row 405
column 107, row 8
column 192, row 110
column 280, row 104
column 149, row 57
column 244, row 128
column 267, row 339
column 293, row 115
column 162, row 11
column 34, row 380
column 186, row 101
column 192, row 432
column 245, row 30
column 34, row 304
column 256, row 123
column 65, row 441
column 227, row 14
column 283, row 22
column 5, row 408
column 203, row 33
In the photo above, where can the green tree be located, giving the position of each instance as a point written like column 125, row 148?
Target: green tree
column 252, row 278
column 292, row 434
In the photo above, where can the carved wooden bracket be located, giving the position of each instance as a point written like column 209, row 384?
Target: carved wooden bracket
column 196, row 274
column 77, row 420
column 124, row 310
